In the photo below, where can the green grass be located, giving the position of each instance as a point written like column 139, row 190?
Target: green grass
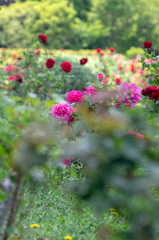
column 59, row 213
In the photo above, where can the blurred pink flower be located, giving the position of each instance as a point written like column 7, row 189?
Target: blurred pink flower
column 144, row 84
column 141, row 71
column 67, row 161
column 9, row 68
column 138, row 135
column 104, row 82
column 14, row 55
column 116, row 56
column 130, row 94
column 90, row 90
column 118, row 81
column 138, row 57
column 113, row 74
column 100, row 76
column 62, row 111
column 12, row 78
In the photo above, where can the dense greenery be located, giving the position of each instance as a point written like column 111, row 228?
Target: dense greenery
column 115, row 171
column 80, row 24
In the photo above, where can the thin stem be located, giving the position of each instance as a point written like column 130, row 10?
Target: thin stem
column 13, row 203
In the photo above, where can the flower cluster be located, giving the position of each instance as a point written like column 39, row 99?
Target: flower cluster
column 129, row 94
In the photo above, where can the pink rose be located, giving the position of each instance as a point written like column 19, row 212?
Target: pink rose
column 62, row 111
column 67, row 161
column 90, row 90
column 100, row 76
column 74, row 96
column 130, row 94
column 8, row 68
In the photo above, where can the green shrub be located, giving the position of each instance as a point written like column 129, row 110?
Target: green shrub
column 133, row 52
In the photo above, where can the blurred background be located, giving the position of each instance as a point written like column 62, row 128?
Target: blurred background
column 79, row 24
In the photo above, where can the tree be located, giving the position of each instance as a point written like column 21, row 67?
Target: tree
column 26, row 20
column 123, row 23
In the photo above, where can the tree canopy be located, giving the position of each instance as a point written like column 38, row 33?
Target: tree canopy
column 79, row 24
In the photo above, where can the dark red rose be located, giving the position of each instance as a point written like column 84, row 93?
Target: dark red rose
column 155, row 95
column 71, row 120
column 19, row 58
column 19, row 78
column 98, row 50
column 50, row 63
column 83, row 89
column 10, row 89
column 83, row 61
column 148, row 90
column 20, row 126
column 66, row 66
column 111, row 49
column 42, row 38
column 118, row 81
column 147, row 44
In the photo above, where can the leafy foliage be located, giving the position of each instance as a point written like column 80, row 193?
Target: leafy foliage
column 80, row 24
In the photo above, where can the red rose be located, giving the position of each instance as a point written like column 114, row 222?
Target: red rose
column 147, row 44
column 155, row 95
column 83, row 89
column 98, row 50
column 42, row 38
column 83, row 61
column 14, row 56
column 147, row 91
column 118, row 81
column 19, row 58
column 111, row 49
column 19, row 78
column 66, row 66
column 120, row 67
column 132, row 68
column 50, row 63
column 10, row 89
column 102, row 53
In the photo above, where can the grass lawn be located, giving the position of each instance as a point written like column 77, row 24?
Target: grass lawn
column 59, row 214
